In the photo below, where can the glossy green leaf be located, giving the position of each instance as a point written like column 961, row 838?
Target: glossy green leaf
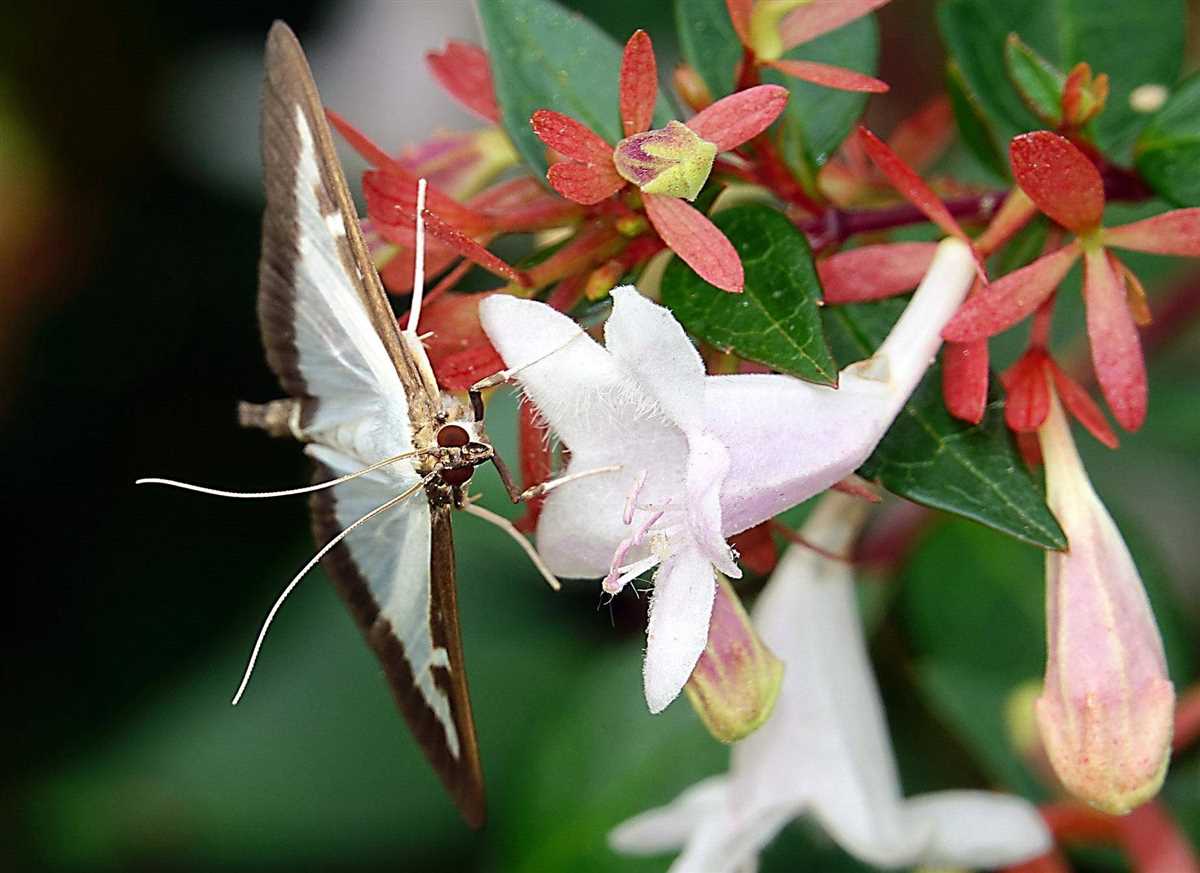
column 1168, row 151
column 544, row 57
column 1134, row 43
column 825, row 116
column 775, row 320
column 974, row 128
column 934, row 459
column 709, row 43
column 1038, row 82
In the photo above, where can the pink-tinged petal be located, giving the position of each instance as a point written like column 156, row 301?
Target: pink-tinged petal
column 1116, row 349
column 1106, row 712
column 821, row 16
column 830, row 76
column 739, row 14
column 680, row 608
column 1010, row 298
column 638, row 84
column 1173, row 233
column 1080, row 404
column 911, row 186
column 1028, row 400
column 739, row 117
column 570, row 138
column 584, row 183
column 874, row 272
column 696, row 240
column 463, row 70
column 965, row 379
column 1059, row 178
column 736, row 681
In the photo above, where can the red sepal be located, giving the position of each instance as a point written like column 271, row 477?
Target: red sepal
column 874, row 272
column 696, row 240
column 830, row 76
column 1173, row 233
column 1080, row 404
column 585, row 184
column 1059, row 178
column 570, row 138
column 756, row 549
column 533, row 442
column 814, row 19
column 739, row 117
column 911, row 186
column 1116, row 349
column 464, row 71
column 965, row 380
column 1028, row 401
column 638, row 84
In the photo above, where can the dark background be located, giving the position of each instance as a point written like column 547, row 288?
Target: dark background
column 128, row 246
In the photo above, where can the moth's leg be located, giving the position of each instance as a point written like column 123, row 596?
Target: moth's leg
column 506, row 477
column 476, row 397
column 518, row 496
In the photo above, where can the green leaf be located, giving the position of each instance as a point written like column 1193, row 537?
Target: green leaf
column 544, row 57
column 1168, row 151
column 1038, row 82
column 976, row 130
column 775, row 320
column 933, row 458
column 825, row 115
column 709, row 43
column 1135, row 43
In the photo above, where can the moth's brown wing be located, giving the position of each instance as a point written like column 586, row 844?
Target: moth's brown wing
column 332, row 339
column 315, row 266
column 396, row 574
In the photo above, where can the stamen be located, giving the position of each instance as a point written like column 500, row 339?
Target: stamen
column 404, row 495
column 631, row 500
column 308, row 489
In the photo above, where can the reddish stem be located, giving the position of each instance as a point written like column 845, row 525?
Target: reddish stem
column 1187, row 718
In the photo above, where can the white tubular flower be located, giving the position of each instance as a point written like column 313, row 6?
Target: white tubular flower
column 1106, row 712
column 701, row 457
column 825, row 750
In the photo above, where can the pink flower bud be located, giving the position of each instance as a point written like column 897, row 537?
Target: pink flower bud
column 736, row 681
column 1106, row 711
column 672, row 160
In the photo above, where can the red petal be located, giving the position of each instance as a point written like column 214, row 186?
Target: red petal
column 463, row 70
column 1116, row 349
column 1010, row 298
column 397, row 272
column 830, row 76
column 965, row 379
column 694, row 238
column 1080, row 404
column 571, row 139
column 739, row 14
column 734, row 119
column 533, row 441
column 1172, row 233
column 584, row 183
column 874, row 272
column 1059, row 178
column 639, row 84
column 458, row 349
column 911, row 186
column 1028, row 401
column 460, row 370
column 821, row 16
column 567, row 293
column 756, row 549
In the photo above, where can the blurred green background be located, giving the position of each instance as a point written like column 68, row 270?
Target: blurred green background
column 129, row 212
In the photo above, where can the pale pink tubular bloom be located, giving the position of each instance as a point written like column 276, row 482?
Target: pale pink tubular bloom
column 702, row 457
column 1105, row 714
column 825, row 751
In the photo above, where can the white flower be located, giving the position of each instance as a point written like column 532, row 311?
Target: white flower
column 825, row 750
column 701, row 457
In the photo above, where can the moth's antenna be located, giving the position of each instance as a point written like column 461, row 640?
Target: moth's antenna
column 404, row 495
column 507, row 526
column 217, row 492
column 414, row 310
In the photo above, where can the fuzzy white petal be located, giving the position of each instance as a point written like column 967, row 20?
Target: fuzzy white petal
column 684, row 590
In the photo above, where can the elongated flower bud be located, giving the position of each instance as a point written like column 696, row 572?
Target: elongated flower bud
column 1105, row 714
column 737, row 679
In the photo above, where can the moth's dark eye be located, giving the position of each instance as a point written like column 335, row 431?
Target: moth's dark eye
column 453, row 437
column 457, row 475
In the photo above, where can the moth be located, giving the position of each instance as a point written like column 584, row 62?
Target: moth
column 394, row 455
